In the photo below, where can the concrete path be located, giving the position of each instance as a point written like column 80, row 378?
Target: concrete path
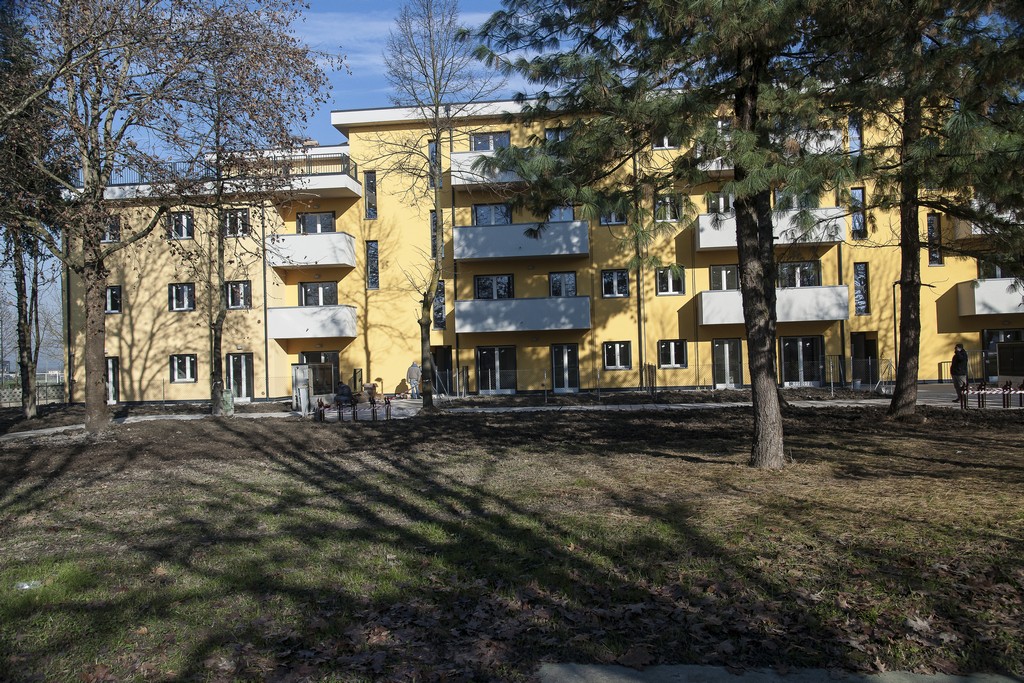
column 585, row 673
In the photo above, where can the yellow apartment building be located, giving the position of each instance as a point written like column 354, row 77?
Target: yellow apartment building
column 330, row 274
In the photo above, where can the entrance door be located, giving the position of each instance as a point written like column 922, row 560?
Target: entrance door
column 727, row 363
column 442, row 370
column 496, row 369
column 802, row 361
column 565, row 368
column 239, row 378
column 113, row 380
column 865, row 358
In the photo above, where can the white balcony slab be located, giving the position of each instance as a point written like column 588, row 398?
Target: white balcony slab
column 305, row 251
column 465, row 173
column 522, row 315
column 311, row 322
column 793, row 304
column 988, row 297
column 718, row 231
column 481, row 242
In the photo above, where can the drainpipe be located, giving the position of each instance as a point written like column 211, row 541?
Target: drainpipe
column 266, row 326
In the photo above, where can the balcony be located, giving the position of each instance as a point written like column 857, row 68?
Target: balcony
column 966, row 230
column 522, row 315
column 482, row 242
column 311, row 322
column 305, row 251
column 793, row 304
column 466, row 176
column 829, row 228
column 988, row 297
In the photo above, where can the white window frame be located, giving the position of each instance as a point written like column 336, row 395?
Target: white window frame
column 664, row 140
column 109, row 307
column 667, row 208
column 560, row 134
column 112, row 233
column 181, row 297
column 676, row 349
column 620, row 283
column 183, row 368
column 181, row 225
column 490, row 141
column 618, row 349
column 721, row 203
column 675, row 282
column 300, row 226
column 723, row 269
column 486, row 214
column 612, row 218
column 800, row 268
column 562, row 276
column 493, row 279
column 238, row 294
column 235, row 222
column 321, row 287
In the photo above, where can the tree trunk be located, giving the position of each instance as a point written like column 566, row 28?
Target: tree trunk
column 904, row 395
column 755, row 243
column 26, row 359
column 94, row 282
column 220, row 296
column 426, row 358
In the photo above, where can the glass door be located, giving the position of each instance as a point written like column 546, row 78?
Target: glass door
column 496, row 369
column 727, row 363
column 113, row 380
column 565, row 368
column 239, row 366
column 802, row 361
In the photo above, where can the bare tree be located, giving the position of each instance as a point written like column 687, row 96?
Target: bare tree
column 431, row 69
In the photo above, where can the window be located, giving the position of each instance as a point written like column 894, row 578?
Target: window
column 725, row 277
column 854, row 128
column 667, row 208
column 613, row 218
column 492, row 287
column 370, row 194
column 434, row 156
column 561, row 214
column 988, row 270
column 235, row 222
column 492, row 214
column 318, row 293
column 616, row 356
column 239, row 294
column 181, row 225
column 786, row 201
column 183, row 368
column 861, row 291
column 314, row 223
column 439, row 312
column 800, row 274
column 488, row 142
column 670, row 281
column 181, row 296
column 614, row 283
column 556, row 134
column 719, row 202
column 672, row 353
column 858, row 216
column 113, row 230
column 664, row 140
column 562, row 284
column 372, row 265
column 934, row 240
column 113, row 299
column 433, row 234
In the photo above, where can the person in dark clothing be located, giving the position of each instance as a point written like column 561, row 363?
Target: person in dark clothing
column 343, row 395
column 958, row 369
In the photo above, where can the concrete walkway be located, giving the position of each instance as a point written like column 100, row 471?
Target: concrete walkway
column 583, row 673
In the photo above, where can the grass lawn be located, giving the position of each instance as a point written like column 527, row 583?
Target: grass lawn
column 478, row 546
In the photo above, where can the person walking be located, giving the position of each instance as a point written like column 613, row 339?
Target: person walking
column 958, row 369
column 412, row 376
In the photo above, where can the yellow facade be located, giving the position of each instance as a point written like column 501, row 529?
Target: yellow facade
column 563, row 312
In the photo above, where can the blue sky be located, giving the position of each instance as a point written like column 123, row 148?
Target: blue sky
column 357, row 29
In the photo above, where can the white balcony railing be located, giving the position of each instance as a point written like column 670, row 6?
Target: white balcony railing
column 718, row 231
column 568, row 238
column 311, row 322
column 464, row 173
column 793, row 304
column 522, row 315
column 989, row 297
column 304, row 251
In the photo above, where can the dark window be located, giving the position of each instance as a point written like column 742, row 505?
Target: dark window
column 113, row 299
column 672, row 353
column 670, row 281
column 370, row 194
column 113, row 231
column 667, row 208
column 493, row 287
column 556, row 134
column 439, row 312
column 563, row 284
column 434, row 157
column 372, row 265
column 181, row 225
column 318, row 293
column 934, row 240
column 861, row 289
column 858, row 216
column 854, row 129
column 614, row 283
column 617, row 355
column 487, row 142
column 561, row 214
column 725, row 277
column 235, row 222
column 433, row 234
column 719, row 202
column 314, row 223
column 492, row 214
column 613, row 218
column 800, row 274
column 239, row 294
column 181, row 296
column 664, row 139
